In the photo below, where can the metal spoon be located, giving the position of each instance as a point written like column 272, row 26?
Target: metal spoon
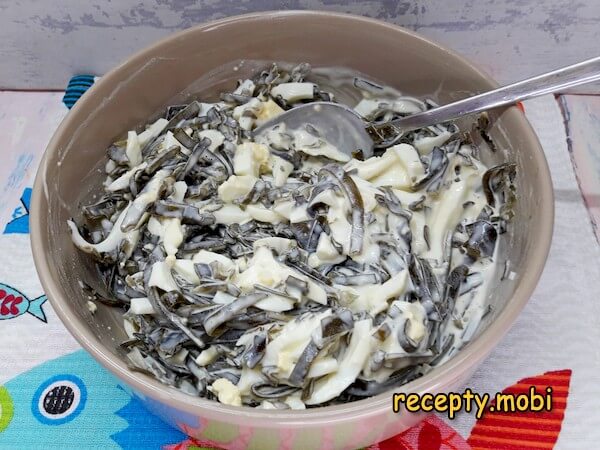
column 342, row 126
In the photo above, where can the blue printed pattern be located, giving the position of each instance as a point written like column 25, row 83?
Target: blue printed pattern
column 154, row 429
column 76, row 88
column 20, row 216
column 14, row 303
column 71, row 401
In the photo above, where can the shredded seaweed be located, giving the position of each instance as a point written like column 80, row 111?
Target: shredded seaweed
column 265, row 267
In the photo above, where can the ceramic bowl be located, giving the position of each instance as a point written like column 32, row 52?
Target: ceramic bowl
column 193, row 61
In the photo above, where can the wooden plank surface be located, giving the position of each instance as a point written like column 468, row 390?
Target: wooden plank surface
column 45, row 42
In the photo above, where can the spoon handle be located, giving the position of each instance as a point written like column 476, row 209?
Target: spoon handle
column 557, row 80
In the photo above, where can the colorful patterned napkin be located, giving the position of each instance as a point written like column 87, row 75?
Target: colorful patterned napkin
column 54, row 395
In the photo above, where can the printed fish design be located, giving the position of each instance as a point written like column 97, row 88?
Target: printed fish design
column 514, row 431
column 77, row 86
column 20, row 217
column 73, row 402
column 14, row 303
column 72, row 399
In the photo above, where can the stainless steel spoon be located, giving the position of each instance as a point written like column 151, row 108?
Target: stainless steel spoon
column 343, row 127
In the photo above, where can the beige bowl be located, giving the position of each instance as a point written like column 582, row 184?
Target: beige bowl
column 151, row 79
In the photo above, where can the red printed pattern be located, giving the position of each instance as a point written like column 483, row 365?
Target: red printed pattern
column 9, row 303
column 525, row 431
column 431, row 434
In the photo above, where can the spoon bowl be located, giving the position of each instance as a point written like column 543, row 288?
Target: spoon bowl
column 336, row 123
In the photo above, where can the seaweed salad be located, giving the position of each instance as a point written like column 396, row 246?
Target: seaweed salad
column 274, row 271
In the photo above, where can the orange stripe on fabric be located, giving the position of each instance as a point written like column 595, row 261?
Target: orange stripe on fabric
column 492, row 446
column 518, row 443
column 530, row 435
column 548, row 425
column 514, row 418
column 558, row 393
column 525, row 438
column 556, row 413
column 545, row 382
column 549, row 376
column 541, row 388
column 557, row 402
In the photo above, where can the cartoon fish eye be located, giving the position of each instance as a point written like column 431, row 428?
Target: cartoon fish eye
column 59, row 400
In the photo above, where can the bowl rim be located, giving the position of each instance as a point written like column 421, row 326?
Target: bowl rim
column 449, row 372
